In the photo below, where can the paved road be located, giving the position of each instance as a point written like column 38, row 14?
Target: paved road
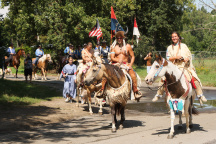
column 139, row 127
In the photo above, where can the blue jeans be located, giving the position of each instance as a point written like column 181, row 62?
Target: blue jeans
column 36, row 61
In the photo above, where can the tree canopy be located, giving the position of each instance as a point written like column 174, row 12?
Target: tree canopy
column 58, row 22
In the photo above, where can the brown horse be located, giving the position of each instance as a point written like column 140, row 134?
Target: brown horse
column 42, row 64
column 118, row 88
column 16, row 60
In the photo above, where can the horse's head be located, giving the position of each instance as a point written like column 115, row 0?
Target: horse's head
column 48, row 58
column 94, row 73
column 158, row 69
column 21, row 52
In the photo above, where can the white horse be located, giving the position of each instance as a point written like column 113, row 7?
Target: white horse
column 180, row 95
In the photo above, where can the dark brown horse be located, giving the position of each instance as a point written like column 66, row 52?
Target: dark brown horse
column 16, row 60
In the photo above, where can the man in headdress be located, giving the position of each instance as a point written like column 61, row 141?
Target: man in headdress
column 122, row 54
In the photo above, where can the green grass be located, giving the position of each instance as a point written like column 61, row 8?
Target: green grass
column 206, row 71
column 16, row 93
column 141, row 71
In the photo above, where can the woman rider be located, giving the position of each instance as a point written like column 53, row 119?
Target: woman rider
column 179, row 54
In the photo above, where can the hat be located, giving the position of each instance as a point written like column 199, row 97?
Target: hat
column 69, row 44
column 104, row 41
column 120, row 34
column 84, row 44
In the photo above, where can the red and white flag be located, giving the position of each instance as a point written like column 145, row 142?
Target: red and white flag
column 96, row 31
column 136, row 31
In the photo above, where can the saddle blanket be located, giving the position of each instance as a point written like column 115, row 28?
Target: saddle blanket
column 176, row 104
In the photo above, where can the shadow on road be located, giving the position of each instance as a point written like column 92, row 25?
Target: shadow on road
column 196, row 127
column 76, row 128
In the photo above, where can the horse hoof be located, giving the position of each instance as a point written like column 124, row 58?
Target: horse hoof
column 191, row 126
column 77, row 105
column 180, row 127
column 121, row 127
column 113, row 130
column 91, row 113
column 170, row 137
column 188, row 131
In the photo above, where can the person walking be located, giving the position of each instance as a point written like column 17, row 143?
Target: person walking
column 69, row 74
column 148, row 58
column 28, row 68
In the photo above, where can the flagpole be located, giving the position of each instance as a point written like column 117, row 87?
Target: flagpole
column 132, row 39
column 111, row 38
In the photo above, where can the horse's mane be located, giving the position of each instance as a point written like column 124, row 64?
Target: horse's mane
column 19, row 50
column 113, row 69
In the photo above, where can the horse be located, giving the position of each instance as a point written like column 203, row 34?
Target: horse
column 42, row 64
column 117, row 88
column 178, row 90
column 16, row 60
column 85, row 91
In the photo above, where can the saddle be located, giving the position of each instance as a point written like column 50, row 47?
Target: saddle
column 124, row 68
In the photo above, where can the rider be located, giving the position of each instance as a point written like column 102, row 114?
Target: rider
column 87, row 55
column 104, row 49
column 69, row 51
column 11, row 52
column 78, row 52
column 39, row 53
column 120, row 54
column 179, row 54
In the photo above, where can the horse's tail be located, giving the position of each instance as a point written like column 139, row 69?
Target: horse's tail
column 118, row 108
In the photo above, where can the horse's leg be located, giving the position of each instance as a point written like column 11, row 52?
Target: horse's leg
column 172, row 115
column 43, row 74
column 190, row 111
column 113, row 112
column 100, row 110
column 187, row 103
column 122, row 118
column 180, row 121
column 78, row 95
column 89, row 101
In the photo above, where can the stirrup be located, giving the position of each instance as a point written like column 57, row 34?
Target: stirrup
column 138, row 95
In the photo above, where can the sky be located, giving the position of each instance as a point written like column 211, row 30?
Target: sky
column 200, row 4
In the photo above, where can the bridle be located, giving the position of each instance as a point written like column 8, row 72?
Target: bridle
column 156, row 74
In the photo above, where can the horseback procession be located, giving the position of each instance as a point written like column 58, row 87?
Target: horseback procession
column 107, row 73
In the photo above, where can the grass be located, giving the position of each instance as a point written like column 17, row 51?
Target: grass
column 17, row 93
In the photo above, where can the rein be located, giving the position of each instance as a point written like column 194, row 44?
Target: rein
column 156, row 74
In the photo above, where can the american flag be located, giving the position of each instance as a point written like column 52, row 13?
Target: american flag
column 96, row 31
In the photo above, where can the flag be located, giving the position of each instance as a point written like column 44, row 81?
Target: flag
column 96, row 31
column 136, row 31
column 114, row 22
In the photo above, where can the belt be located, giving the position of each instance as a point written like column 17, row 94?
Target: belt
column 71, row 74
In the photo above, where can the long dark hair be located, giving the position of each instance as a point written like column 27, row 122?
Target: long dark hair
column 175, row 32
